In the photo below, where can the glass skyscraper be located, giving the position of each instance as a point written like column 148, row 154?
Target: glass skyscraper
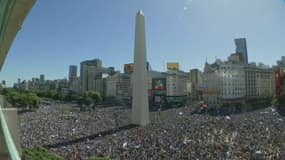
column 241, row 48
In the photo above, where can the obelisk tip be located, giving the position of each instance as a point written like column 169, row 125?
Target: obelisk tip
column 140, row 12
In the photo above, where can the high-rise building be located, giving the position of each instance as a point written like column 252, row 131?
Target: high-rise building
column 89, row 70
column 72, row 72
column 42, row 78
column 241, row 48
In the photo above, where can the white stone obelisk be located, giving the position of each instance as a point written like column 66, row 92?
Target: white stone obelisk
column 140, row 106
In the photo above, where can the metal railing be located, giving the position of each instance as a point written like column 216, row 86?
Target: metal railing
column 13, row 152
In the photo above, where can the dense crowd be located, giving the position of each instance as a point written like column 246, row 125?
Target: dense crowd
column 173, row 134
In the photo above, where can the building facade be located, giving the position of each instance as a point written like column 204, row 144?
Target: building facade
column 242, row 48
column 231, row 82
column 90, row 70
column 113, row 88
column 72, row 72
column 176, row 83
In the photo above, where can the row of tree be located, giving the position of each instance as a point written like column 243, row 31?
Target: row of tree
column 32, row 99
column 24, row 100
column 88, row 98
column 40, row 153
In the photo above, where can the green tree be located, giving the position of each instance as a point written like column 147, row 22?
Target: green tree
column 58, row 96
column 90, row 97
column 86, row 100
column 34, row 101
column 13, row 97
column 99, row 158
column 95, row 97
column 274, row 101
column 39, row 153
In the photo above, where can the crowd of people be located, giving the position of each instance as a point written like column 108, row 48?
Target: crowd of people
column 172, row 134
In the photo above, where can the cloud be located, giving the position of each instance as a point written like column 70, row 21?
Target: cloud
column 187, row 4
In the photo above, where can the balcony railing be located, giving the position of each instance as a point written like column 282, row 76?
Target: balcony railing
column 13, row 152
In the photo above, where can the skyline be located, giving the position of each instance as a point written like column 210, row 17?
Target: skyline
column 54, row 36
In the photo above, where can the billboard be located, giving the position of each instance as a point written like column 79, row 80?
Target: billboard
column 128, row 68
column 173, row 66
column 159, row 84
column 277, row 82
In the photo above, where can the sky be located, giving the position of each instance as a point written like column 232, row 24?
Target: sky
column 57, row 34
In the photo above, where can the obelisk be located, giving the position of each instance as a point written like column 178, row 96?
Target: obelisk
column 140, row 106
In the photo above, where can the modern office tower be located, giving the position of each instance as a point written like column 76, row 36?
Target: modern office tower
column 140, row 106
column 89, row 70
column 42, row 78
column 87, row 73
column 241, row 48
column 98, row 63
column 72, row 72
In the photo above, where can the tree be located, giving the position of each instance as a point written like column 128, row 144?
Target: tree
column 90, row 97
column 274, row 101
column 33, row 100
column 71, row 97
column 23, row 99
column 86, row 100
column 13, row 97
column 95, row 96
column 58, row 96
column 38, row 153
column 99, row 158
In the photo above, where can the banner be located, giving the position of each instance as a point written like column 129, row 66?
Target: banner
column 173, row 66
column 128, row 68
column 277, row 82
column 159, row 84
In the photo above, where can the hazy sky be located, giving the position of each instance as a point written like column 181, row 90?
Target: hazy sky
column 58, row 33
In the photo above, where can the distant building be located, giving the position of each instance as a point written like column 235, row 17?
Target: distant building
column 280, row 76
column 126, row 88
column 195, row 81
column 242, row 48
column 74, row 85
column 281, row 65
column 42, row 79
column 176, row 82
column 260, row 81
column 113, row 85
column 89, row 70
column 211, row 88
column 72, row 72
column 232, row 82
column 100, row 83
